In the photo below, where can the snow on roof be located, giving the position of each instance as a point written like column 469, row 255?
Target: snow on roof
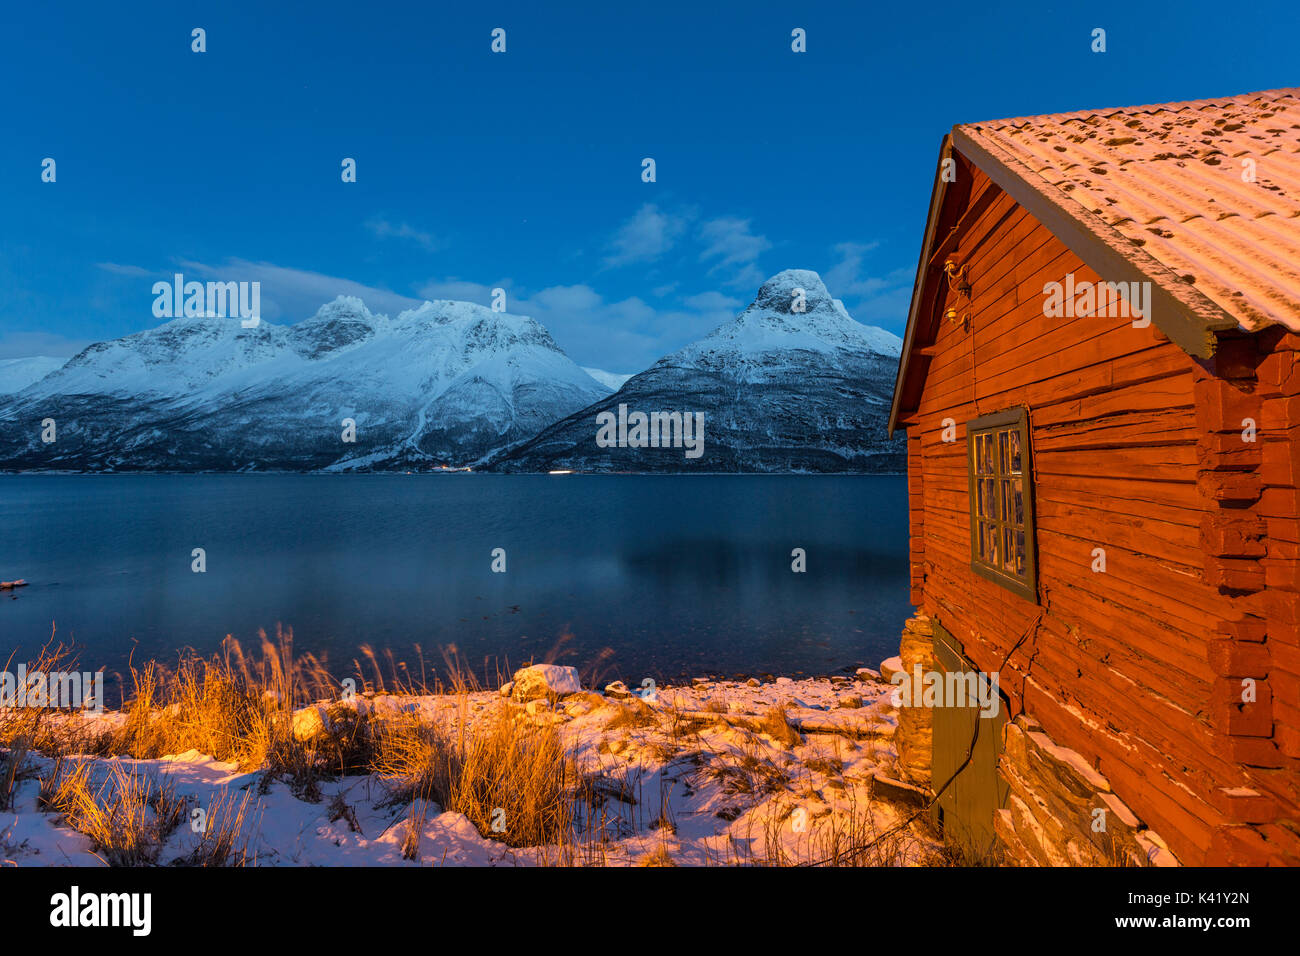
column 1210, row 189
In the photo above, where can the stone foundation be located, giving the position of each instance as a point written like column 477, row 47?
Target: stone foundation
column 1060, row 812
column 915, row 737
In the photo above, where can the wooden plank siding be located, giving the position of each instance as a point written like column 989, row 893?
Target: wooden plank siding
column 1136, row 449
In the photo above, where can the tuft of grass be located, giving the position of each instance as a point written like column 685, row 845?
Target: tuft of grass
column 231, row 707
column 11, row 768
column 632, row 713
column 415, row 818
column 660, row 857
column 510, row 778
column 128, row 817
column 223, row 841
column 749, row 770
column 340, row 810
column 776, row 725
column 40, row 727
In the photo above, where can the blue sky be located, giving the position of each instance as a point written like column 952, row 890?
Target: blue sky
column 523, row 170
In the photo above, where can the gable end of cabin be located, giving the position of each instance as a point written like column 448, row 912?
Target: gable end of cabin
column 1103, row 497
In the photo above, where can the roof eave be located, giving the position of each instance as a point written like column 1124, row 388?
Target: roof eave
column 937, row 193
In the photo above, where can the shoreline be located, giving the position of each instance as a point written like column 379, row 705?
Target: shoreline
column 706, row 773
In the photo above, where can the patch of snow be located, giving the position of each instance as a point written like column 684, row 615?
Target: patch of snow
column 610, row 380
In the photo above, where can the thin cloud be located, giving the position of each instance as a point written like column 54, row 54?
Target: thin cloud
column 295, row 294
column 876, row 299
column 647, row 236
column 731, row 244
column 384, row 229
column 712, row 301
column 118, row 269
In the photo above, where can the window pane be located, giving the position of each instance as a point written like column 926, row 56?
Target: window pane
column 1002, row 453
column 990, row 503
column 1020, row 553
column 1015, row 468
column 1016, row 511
column 991, row 544
column 1004, row 499
column 979, row 541
column 986, row 454
column 1008, row 550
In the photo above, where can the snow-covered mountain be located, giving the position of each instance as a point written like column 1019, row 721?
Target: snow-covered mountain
column 611, row 380
column 17, row 373
column 445, row 383
column 792, row 384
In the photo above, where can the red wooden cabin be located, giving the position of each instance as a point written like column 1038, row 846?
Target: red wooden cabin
column 1105, row 489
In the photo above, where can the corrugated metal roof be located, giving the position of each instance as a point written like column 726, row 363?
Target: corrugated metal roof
column 1171, row 179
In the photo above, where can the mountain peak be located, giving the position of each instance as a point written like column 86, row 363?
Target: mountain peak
column 344, row 306
column 792, row 310
column 782, row 291
column 792, row 384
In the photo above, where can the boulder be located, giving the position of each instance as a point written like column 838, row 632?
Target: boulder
column 890, row 667
column 617, row 690
column 541, row 680
column 309, row 723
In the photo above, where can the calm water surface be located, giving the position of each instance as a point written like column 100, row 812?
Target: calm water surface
column 655, row 576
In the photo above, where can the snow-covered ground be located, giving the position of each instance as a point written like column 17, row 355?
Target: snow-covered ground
column 700, row 778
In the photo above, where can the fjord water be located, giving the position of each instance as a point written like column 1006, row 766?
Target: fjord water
column 674, row 575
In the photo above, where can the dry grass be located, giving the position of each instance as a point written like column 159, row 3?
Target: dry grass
column 415, row 818
column 508, row 773
column 231, row 707
column 776, row 725
column 127, row 817
column 748, row 771
column 509, row 777
column 632, row 714
column 223, row 840
column 660, row 857
column 28, row 728
column 12, row 765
